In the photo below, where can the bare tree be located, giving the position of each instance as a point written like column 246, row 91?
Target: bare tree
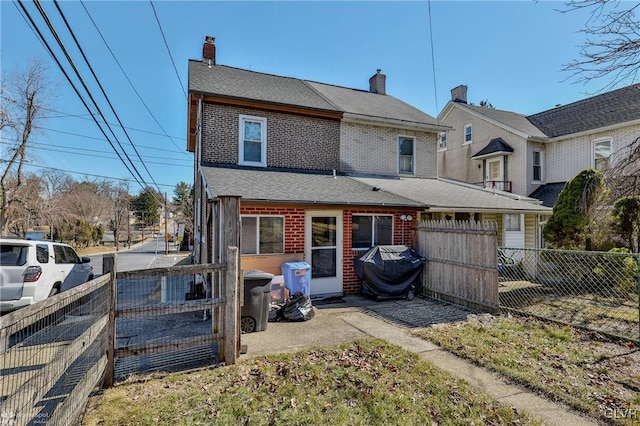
column 23, row 96
column 119, row 222
column 612, row 45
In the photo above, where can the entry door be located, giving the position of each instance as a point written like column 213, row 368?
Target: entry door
column 495, row 175
column 323, row 251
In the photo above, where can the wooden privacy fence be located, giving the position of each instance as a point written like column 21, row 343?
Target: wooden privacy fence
column 461, row 262
column 53, row 354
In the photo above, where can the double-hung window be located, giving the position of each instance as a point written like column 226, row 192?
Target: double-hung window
column 601, row 154
column 253, row 141
column 406, row 150
column 442, row 143
column 537, row 166
column 371, row 230
column 468, row 134
column 262, row 234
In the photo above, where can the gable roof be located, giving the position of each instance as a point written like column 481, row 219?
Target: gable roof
column 236, row 83
column 495, row 146
column 607, row 109
column 240, row 84
column 508, row 120
column 366, row 105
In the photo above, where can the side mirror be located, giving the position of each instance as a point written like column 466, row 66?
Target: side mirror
column 85, row 259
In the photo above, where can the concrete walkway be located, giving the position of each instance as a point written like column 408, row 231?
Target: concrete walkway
column 357, row 317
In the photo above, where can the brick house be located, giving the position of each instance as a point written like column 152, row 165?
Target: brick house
column 322, row 172
column 536, row 155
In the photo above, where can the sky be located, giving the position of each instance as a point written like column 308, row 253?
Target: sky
column 510, row 53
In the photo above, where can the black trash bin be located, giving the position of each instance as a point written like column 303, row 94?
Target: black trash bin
column 257, row 295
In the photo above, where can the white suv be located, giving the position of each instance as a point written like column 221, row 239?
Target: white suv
column 32, row 270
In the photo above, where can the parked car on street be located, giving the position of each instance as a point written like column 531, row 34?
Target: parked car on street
column 32, row 270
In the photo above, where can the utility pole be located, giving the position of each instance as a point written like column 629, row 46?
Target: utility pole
column 166, row 240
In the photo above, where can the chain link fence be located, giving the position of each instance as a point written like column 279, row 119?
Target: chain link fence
column 593, row 290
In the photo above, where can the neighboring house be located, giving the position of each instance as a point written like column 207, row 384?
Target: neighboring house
column 536, row 155
column 323, row 172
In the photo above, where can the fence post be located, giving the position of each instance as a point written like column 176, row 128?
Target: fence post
column 231, row 324
column 109, row 266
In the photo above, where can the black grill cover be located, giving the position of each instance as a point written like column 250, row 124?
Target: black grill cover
column 389, row 271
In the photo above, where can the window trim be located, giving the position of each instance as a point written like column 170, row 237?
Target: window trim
column 257, row 236
column 242, row 118
column 595, row 142
column 533, row 166
column 373, row 216
column 464, row 134
column 442, row 145
column 413, row 155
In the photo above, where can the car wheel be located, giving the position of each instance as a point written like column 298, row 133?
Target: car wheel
column 247, row 325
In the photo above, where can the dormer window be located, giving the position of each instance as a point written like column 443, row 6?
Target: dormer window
column 468, row 136
column 253, row 141
column 406, row 147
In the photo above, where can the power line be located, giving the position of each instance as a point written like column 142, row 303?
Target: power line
column 87, row 117
column 75, row 89
column 30, row 164
column 102, row 140
column 433, row 61
column 55, row 2
column 73, row 150
column 167, row 46
column 129, row 80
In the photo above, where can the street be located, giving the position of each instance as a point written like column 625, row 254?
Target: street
column 148, row 254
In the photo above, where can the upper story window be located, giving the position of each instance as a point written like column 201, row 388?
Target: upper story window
column 601, row 154
column 253, row 141
column 468, row 135
column 262, row 234
column 442, row 143
column 370, row 230
column 406, row 149
column 537, row 166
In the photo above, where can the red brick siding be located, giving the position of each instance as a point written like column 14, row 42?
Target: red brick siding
column 293, row 141
column 295, row 229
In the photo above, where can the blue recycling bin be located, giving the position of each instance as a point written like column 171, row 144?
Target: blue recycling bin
column 297, row 277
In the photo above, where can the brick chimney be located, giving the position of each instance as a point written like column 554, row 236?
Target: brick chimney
column 209, row 50
column 377, row 83
column 459, row 94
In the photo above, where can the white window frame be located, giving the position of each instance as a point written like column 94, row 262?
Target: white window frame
column 599, row 141
column 257, row 236
column 413, row 154
column 373, row 228
column 442, row 141
column 534, row 165
column 263, row 141
column 464, row 134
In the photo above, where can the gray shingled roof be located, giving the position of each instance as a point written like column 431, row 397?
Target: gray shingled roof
column 243, row 84
column 494, row 146
column 617, row 106
column 286, row 186
column 436, row 193
column 508, row 118
column 369, row 104
column 548, row 193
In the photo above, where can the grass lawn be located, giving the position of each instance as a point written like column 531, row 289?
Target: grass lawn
column 366, row 382
column 582, row 369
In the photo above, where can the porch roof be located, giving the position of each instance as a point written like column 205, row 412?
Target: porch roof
column 313, row 188
column 441, row 195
